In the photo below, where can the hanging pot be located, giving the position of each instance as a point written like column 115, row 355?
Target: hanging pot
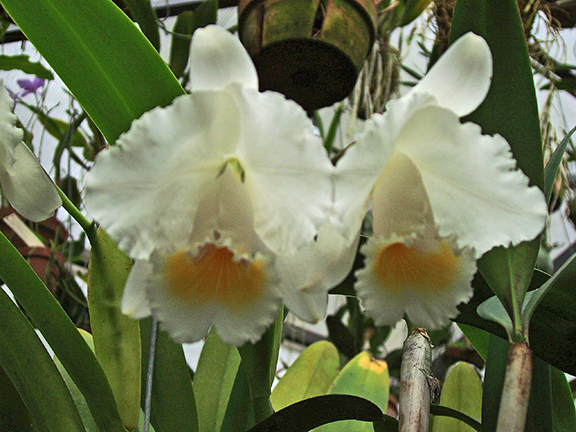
column 50, row 230
column 46, row 263
column 309, row 50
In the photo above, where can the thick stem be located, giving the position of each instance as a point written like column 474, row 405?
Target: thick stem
column 516, row 391
column 415, row 378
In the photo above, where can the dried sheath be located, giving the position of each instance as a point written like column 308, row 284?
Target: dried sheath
column 516, row 392
column 415, row 377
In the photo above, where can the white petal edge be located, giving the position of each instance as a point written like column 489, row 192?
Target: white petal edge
column 432, row 310
column 23, row 181
column 308, row 275
column 135, row 300
column 461, row 78
column 217, row 59
column 145, row 190
column 187, row 322
column 363, row 162
column 287, row 170
column 475, row 190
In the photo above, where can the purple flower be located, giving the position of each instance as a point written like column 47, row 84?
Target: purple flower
column 30, row 86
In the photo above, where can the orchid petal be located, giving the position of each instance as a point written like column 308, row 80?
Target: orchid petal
column 146, row 189
column 312, row 271
column 219, row 59
column 134, row 300
column 461, row 78
column 472, row 182
column 189, row 321
column 287, row 171
column 363, row 162
column 400, row 204
column 23, row 181
column 427, row 288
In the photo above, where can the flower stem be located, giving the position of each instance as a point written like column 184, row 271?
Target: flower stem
column 77, row 215
column 516, row 391
column 415, row 376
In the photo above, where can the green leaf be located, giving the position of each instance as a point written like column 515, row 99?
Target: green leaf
column 23, row 63
column 310, row 413
column 563, row 413
column 14, row 415
column 510, row 109
column 462, row 391
column 56, row 127
column 493, row 381
column 181, row 38
column 311, row 374
column 561, row 284
column 364, row 377
column 33, row 373
column 173, row 404
column 260, row 360
column 493, row 310
column 552, row 166
column 144, row 15
column 477, row 337
column 214, row 380
column 47, row 315
column 439, row 410
column 127, row 77
column 539, row 415
column 239, row 414
column 552, row 327
column 79, row 400
column 116, row 336
column 186, row 25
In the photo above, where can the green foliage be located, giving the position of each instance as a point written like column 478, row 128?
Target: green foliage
column 116, row 336
column 554, row 163
column 47, row 315
column 214, row 380
column 310, row 413
column 144, row 15
column 312, row 374
column 364, row 377
column 462, row 391
column 564, row 412
column 510, row 109
column 186, row 24
column 31, row 370
column 127, row 76
column 23, row 63
column 173, row 403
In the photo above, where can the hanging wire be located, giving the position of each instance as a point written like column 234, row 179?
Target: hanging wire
column 149, row 374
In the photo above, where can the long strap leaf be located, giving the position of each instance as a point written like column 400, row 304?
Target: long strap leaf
column 33, row 373
column 61, row 334
column 102, row 57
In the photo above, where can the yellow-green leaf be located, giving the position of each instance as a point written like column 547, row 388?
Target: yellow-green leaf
column 366, row 377
column 462, row 391
column 116, row 337
column 214, row 380
column 310, row 375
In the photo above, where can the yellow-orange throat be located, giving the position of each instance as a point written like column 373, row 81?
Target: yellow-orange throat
column 398, row 266
column 212, row 275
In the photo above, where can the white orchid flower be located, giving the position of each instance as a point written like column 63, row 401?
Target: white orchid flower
column 442, row 194
column 22, row 179
column 209, row 195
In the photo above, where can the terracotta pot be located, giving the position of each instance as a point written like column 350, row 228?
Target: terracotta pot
column 50, row 230
column 46, row 263
column 309, row 50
